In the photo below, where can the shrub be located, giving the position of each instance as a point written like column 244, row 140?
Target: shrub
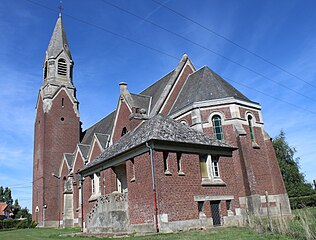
column 300, row 202
column 18, row 224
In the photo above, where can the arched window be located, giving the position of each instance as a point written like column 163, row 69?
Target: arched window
column 62, row 67
column 251, row 128
column 45, row 70
column 124, row 131
column 217, row 127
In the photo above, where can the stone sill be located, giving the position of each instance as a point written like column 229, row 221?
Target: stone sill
column 255, row 145
column 94, row 197
column 212, row 182
column 168, row 173
column 181, row 173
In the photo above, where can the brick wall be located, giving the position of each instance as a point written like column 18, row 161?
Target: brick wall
column 57, row 132
column 176, row 90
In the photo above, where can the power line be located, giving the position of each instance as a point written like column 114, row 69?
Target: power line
column 169, row 55
column 106, row 30
column 234, row 43
column 207, row 49
column 268, row 95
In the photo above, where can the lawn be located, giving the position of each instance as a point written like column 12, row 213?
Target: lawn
column 219, row 233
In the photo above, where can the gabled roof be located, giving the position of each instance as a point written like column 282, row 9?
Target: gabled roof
column 141, row 101
column 84, row 150
column 104, row 126
column 156, row 89
column 58, row 41
column 202, row 85
column 69, row 157
column 3, row 207
column 157, row 128
column 103, row 139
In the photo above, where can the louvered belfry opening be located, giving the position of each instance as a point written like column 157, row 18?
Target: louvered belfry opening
column 62, row 67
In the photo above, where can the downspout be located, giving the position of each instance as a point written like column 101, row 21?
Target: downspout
column 153, row 185
column 81, row 205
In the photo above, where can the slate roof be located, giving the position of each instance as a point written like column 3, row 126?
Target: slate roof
column 69, row 159
column 103, row 139
column 84, row 150
column 141, row 101
column 58, row 41
column 156, row 89
column 202, row 85
column 104, row 126
column 156, row 128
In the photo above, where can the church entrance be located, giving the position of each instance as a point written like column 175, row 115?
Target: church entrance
column 215, row 213
column 121, row 180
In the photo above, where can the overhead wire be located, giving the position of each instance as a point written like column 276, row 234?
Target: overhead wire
column 167, row 54
column 207, row 49
column 233, row 42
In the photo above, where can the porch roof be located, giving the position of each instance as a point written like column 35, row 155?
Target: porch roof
column 161, row 133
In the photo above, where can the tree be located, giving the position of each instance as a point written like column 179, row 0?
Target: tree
column 1, row 194
column 8, row 196
column 24, row 213
column 294, row 180
column 15, row 208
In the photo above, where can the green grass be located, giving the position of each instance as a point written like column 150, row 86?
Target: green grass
column 214, row 233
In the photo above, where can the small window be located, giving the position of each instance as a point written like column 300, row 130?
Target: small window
column 133, row 170
column 93, row 184
column 203, row 166
column 62, row 67
column 201, row 209
column 45, row 70
column 179, row 163
column 80, row 198
column 62, row 103
column 251, row 128
column 124, row 131
column 184, row 122
column 215, row 168
column 228, row 205
column 166, row 163
column 217, row 127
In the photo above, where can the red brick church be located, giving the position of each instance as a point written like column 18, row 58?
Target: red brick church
column 189, row 151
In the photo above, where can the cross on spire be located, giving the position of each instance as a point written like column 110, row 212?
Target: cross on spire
column 60, row 7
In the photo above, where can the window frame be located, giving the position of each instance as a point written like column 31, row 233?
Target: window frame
column 219, row 135
column 211, row 174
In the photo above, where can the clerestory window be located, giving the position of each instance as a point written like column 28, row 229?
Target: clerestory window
column 217, row 127
column 251, row 128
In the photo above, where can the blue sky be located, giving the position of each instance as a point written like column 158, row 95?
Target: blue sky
column 282, row 32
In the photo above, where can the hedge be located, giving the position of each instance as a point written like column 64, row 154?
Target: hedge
column 13, row 224
column 300, row 202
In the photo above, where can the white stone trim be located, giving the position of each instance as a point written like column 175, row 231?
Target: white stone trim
column 213, row 198
column 216, row 102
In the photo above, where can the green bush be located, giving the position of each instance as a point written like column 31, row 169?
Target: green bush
column 12, row 224
column 300, row 202
column 5, row 224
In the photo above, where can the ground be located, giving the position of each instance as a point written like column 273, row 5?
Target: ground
column 215, row 233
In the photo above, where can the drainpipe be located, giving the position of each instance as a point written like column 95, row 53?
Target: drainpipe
column 81, row 205
column 153, row 185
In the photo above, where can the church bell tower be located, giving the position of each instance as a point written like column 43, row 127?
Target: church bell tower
column 57, row 127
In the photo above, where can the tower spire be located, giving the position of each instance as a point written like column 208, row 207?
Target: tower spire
column 60, row 7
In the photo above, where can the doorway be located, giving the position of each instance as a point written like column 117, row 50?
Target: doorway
column 216, row 213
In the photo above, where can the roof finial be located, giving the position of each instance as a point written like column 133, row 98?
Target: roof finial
column 60, row 7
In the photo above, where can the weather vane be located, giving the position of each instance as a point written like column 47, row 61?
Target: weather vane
column 60, row 7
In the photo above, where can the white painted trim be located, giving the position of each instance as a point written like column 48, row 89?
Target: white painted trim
column 187, row 63
column 213, row 103
column 213, row 198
